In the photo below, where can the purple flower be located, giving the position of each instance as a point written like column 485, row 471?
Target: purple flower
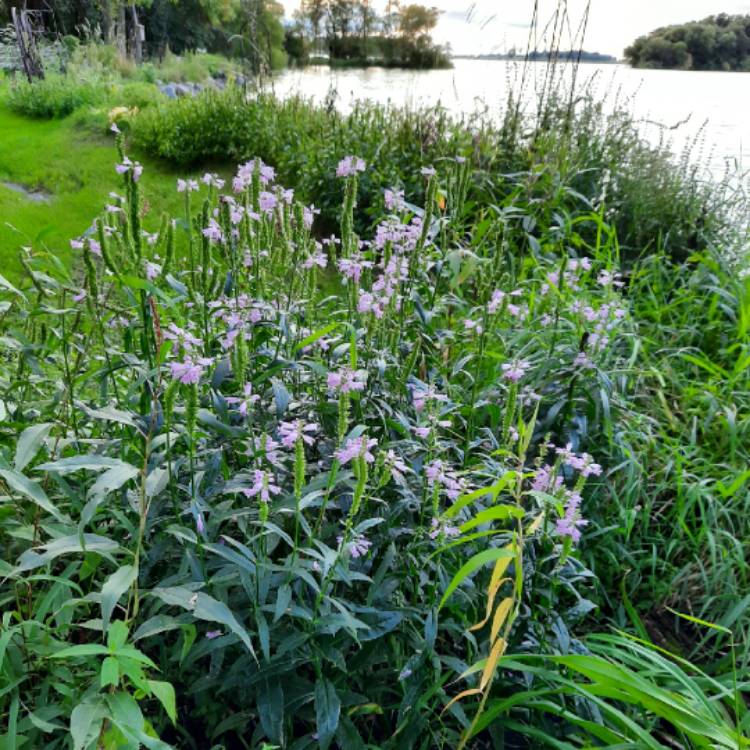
column 267, row 201
column 473, row 325
column 211, row 634
column 428, row 171
column 515, row 370
column 571, row 523
column 583, row 361
column 263, row 486
column 212, row 179
column 346, row 380
column 352, row 267
column 291, row 432
column 359, row 546
column 545, row 481
column 443, row 529
column 80, row 296
column 308, row 215
column 190, row 370
column 189, row 186
column 114, row 129
column 356, row 448
column 213, row 231
column 246, row 401
column 437, row 472
column 349, row 166
column 199, row 524
column 127, row 166
column 496, row 301
column 152, row 270
column 395, row 464
column 183, row 337
column 318, row 258
column 394, row 199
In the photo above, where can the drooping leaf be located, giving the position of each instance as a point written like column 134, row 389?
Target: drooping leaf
column 31, row 490
column 205, row 607
column 64, row 545
column 166, row 695
column 473, row 564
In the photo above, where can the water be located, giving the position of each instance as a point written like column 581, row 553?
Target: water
column 678, row 106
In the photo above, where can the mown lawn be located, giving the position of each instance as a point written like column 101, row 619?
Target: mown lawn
column 76, row 168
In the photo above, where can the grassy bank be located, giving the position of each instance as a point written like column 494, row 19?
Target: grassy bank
column 72, row 167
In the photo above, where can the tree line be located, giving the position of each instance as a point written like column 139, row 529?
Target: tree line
column 720, row 42
column 346, row 31
column 352, row 31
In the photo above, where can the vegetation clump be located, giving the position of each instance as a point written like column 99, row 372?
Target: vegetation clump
column 720, row 42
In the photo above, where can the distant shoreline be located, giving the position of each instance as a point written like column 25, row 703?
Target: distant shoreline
column 546, row 57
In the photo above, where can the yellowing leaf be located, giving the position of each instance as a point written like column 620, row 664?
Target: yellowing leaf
column 491, row 594
column 462, row 694
column 502, row 565
column 535, row 524
column 498, row 649
column 501, row 613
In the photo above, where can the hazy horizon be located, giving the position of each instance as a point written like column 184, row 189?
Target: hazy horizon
column 487, row 26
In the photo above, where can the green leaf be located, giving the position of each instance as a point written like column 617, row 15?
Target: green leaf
column 155, row 625
column 114, row 587
column 166, row 695
column 29, row 443
column 91, row 543
column 327, row 711
column 31, row 490
column 85, row 724
column 84, row 649
column 78, row 463
column 495, row 513
column 473, row 564
column 205, row 607
column 313, row 337
column 109, row 481
column 5, row 284
column 271, row 711
column 110, row 414
column 117, row 635
column 110, row 672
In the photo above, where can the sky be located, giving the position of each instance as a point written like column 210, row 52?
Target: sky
column 483, row 26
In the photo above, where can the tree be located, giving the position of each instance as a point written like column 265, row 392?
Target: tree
column 416, row 20
column 719, row 42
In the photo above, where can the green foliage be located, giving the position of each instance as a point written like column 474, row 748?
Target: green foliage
column 355, row 34
column 294, row 589
column 653, row 201
column 55, row 96
column 720, row 42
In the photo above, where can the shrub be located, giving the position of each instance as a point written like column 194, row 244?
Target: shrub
column 54, row 96
column 655, row 201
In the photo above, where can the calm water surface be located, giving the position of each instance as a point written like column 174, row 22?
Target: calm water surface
column 677, row 106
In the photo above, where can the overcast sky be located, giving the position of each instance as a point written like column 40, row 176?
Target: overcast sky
column 473, row 26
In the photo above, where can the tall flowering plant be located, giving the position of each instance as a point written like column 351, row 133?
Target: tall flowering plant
column 286, row 496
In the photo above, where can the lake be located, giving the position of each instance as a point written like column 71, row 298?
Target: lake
column 678, row 106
